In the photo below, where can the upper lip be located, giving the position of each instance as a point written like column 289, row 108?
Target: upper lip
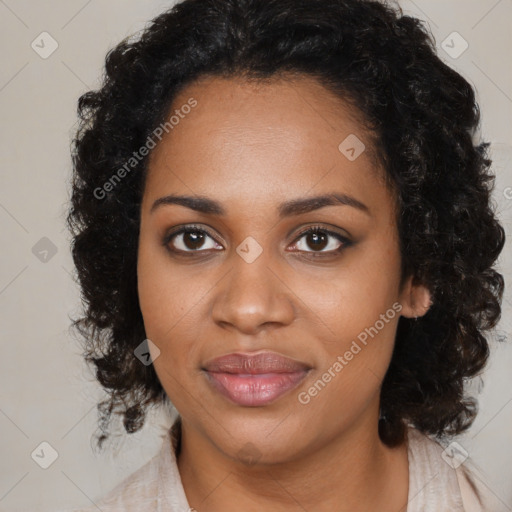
column 263, row 362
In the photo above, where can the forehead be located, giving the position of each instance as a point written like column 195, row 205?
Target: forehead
column 296, row 104
column 287, row 134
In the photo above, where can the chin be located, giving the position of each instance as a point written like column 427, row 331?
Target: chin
column 270, row 438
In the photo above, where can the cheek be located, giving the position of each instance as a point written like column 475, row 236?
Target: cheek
column 361, row 314
column 354, row 366
column 374, row 281
column 167, row 310
column 165, row 297
column 170, row 303
column 355, row 295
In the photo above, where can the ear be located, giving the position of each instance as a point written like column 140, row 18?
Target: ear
column 415, row 298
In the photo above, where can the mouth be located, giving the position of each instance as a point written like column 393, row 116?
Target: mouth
column 254, row 380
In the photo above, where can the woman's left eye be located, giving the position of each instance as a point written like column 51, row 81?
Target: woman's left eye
column 318, row 238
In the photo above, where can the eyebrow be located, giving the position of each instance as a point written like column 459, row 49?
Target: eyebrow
column 293, row 207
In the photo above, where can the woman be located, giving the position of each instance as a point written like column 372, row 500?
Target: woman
column 282, row 226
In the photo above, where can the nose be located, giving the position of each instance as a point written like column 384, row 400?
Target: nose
column 253, row 296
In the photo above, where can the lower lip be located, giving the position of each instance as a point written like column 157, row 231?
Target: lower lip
column 254, row 390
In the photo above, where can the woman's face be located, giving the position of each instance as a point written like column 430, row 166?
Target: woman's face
column 246, row 279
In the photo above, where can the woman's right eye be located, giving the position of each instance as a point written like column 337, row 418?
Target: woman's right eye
column 189, row 239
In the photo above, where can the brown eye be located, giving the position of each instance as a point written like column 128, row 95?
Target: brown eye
column 192, row 239
column 189, row 239
column 318, row 239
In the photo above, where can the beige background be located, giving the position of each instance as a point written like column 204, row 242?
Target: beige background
column 46, row 392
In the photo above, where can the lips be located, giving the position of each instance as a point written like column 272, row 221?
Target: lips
column 264, row 362
column 254, row 380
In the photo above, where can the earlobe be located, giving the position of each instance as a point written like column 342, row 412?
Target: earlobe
column 415, row 299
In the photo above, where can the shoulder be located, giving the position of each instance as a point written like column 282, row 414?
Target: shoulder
column 154, row 487
column 445, row 476
column 476, row 491
column 137, row 492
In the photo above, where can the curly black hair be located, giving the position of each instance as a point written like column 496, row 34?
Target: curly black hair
column 423, row 116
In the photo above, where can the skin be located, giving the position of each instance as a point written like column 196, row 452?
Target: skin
column 251, row 147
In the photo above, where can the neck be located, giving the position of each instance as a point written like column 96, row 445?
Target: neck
column 353, row 471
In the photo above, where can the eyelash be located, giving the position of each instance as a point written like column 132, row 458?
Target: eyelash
column 311, row 229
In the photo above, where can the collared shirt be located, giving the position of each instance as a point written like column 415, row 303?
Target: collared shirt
column 440, row 480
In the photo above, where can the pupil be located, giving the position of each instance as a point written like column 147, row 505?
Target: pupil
column 196, row 237
column 315, row 237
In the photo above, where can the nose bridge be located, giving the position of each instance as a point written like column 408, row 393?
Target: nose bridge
column 252, row 294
